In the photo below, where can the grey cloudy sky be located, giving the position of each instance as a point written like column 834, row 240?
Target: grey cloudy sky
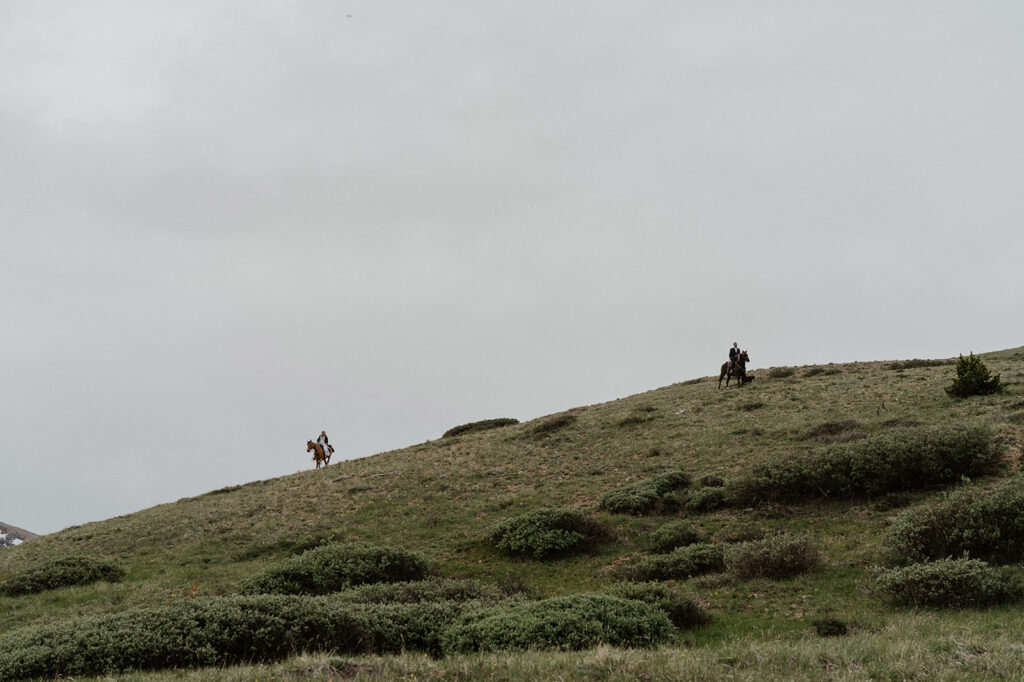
column 227, row 225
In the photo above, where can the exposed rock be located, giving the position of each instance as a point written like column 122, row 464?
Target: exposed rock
column 12, row 535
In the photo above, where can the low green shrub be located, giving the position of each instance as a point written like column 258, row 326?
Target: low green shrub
column 776, row 556
column 284, row 546
column 219, row 631
column 978, row 523
column 898, row 459
column 570, row 623
column 891, row 501
column 669, row 536
column 830, row 430
column 62, row 572
column 641, row 496
column 954, row 583
column 680, row 564
column 635, row 419
column 712, row 481
column 705, row 500
column 781, row 372
column 741, row 533
column 900, row 422
column 415, row 592
column 972, row 378
column 552, row 424
column 830, row 627
column 546, row 533
column 335, row 567
column 683, row 611
column 476, row 427
column 515, row 584
column 916, row 362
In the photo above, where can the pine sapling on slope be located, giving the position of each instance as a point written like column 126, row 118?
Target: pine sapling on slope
column 973, row 378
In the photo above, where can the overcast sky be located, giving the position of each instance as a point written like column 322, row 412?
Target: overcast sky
column 229, row 225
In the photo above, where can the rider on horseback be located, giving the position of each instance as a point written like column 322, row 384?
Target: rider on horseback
column 734, row 353
column 323, row 442
column 736, row 367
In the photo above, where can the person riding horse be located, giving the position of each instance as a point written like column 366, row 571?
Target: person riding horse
column 322, row 449
column 736, row 367
column 734, row 353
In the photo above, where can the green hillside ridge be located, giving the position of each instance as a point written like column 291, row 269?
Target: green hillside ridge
column 441, row 498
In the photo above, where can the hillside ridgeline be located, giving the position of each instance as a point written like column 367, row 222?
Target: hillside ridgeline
column 783, row 493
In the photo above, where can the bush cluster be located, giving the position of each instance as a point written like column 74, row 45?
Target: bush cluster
column 954, row 583
column 641, row 496
column 669, row 536
column 475, row 427
column 776, row 556
column 712, row 481
column 566, row 623
column 335, row 567
column 419, row 591
column 683, row 611
column 219, row 631
column 705, row 500
column 680, row 564
column 986, row 525
column 972, row 378
column 62, row 572
column 899, row 459
column 222, row 631
column 546, row 533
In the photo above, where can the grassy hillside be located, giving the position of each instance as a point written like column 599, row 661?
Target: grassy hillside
column 441, row 497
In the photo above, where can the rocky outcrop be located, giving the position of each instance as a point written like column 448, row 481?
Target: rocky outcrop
column 12, row 535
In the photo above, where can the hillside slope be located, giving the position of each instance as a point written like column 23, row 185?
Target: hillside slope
column 440, row 497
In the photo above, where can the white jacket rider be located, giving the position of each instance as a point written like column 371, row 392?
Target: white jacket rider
column 323, row 442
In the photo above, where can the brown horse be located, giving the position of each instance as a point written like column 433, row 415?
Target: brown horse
column 739, row 370
column 319, row 455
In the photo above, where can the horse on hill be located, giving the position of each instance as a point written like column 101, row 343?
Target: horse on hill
column 319, row 454
column 739, row 370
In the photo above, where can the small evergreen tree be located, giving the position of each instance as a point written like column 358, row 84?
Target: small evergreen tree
column 973, row 378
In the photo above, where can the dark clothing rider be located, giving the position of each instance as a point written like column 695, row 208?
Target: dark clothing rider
column 734, row 353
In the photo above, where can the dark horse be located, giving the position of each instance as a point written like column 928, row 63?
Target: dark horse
column 739, row 370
